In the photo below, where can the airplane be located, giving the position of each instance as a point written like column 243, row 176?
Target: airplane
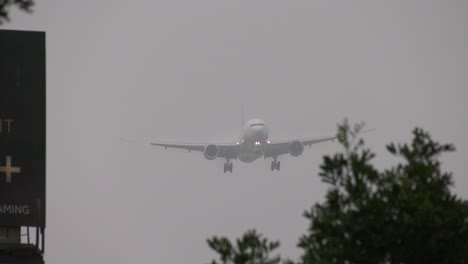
column 253, row 144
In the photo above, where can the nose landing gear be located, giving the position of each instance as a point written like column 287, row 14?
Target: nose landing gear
column 275, row 165
column 228, row 166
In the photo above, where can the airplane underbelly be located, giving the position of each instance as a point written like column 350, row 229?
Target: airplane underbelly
column 249, row 153
column 247, row 157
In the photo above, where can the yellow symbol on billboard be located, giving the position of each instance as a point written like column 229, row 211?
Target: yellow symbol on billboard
column 8, row 169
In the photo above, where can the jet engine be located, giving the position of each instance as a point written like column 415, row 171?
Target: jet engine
column 211, row 152
column 296, row 148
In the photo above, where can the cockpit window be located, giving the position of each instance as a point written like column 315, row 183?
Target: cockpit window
column 257, row 124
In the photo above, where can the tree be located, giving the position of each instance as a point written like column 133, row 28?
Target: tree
column 405, row 214
column 25, row 5
column 252, row 248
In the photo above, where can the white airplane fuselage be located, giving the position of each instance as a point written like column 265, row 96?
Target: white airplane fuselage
column 254, row 135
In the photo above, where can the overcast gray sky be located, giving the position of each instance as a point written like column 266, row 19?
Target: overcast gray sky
column 179, row 70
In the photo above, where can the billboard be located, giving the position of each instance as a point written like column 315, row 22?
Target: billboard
column 22, row 128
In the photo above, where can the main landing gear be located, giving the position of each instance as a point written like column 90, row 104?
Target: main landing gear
column 228, row 166
column 275, row 165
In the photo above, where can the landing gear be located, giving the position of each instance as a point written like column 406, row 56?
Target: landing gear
column 275, row 165
column 228, row 166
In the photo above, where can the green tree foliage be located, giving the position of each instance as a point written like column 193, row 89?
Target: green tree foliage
column 405, row 214
column 251, row 248
column 24, row 5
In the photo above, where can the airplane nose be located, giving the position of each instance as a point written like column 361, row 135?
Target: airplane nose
column 261, row 133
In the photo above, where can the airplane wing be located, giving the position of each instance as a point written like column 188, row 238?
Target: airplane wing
column 187, row 146
column 275, row 149
column 227, row 151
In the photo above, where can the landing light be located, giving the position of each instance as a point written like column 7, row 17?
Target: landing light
column 268, row 142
